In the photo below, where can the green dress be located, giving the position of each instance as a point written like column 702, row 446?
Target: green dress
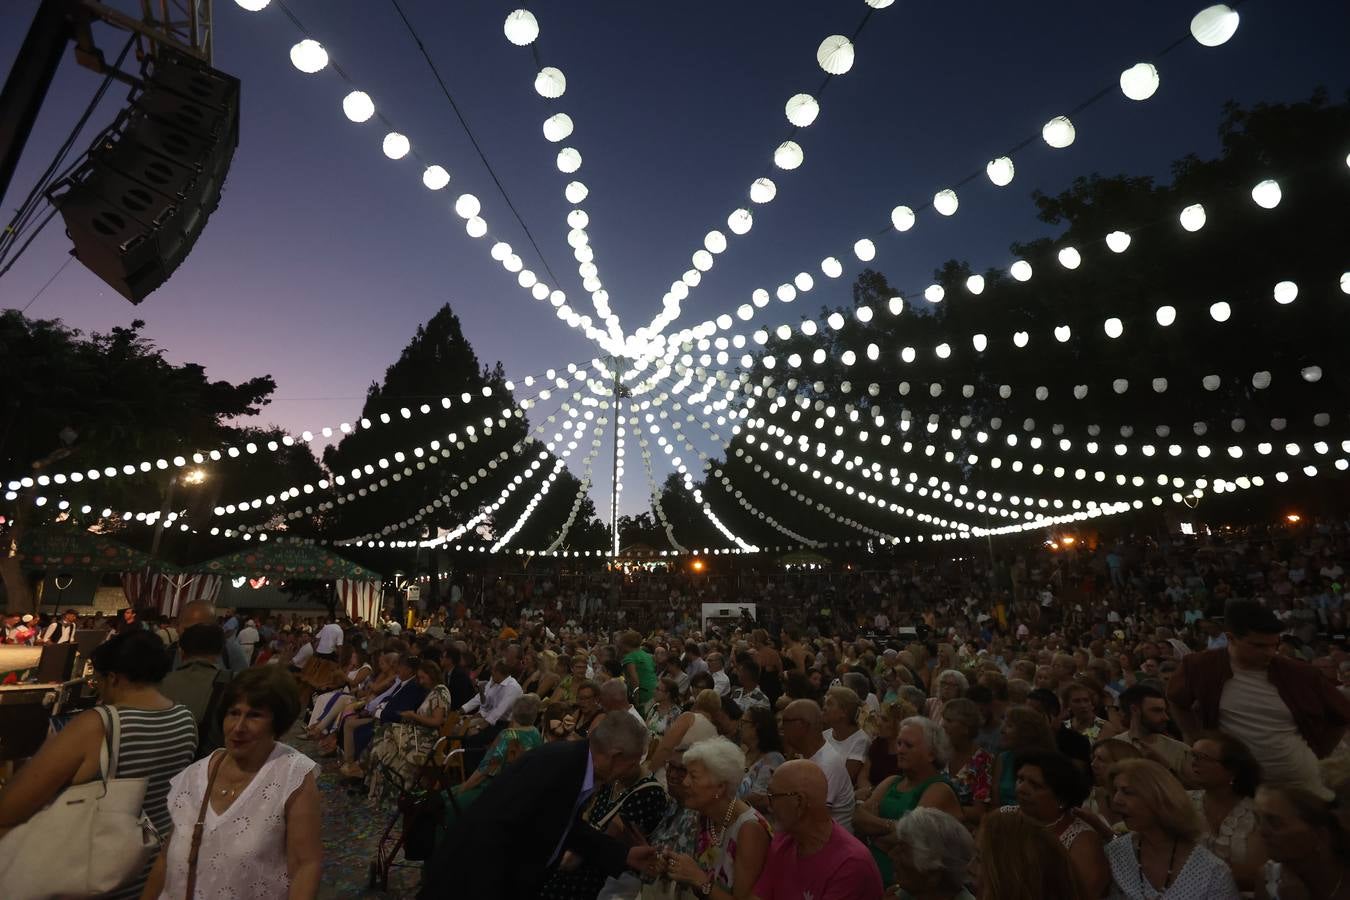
column 895, row 806
column 494, row 761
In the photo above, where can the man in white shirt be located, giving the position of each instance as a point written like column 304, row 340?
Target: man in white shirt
column 802, row 734
column 62, row 631
column 721, row 680
column 248, row 639
column 495, row 699
column 328, row 640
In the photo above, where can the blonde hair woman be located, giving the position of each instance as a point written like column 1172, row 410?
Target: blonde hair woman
column 1161, row 856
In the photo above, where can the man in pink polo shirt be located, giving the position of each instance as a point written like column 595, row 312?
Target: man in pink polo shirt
column 812, row 857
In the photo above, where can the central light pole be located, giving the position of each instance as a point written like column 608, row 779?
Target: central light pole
column 614, row 467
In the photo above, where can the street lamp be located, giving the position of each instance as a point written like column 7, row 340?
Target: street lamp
column 193, row 476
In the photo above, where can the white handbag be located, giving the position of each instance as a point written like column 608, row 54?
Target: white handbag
column 103, row 838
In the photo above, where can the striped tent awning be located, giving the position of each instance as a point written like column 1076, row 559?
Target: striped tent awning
column 166, row 592
column 359, row 599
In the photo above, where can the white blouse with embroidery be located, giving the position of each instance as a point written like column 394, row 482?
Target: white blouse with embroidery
column 243, row 852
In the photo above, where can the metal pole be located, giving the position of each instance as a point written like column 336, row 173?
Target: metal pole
column 28, row 81
column 614, row 467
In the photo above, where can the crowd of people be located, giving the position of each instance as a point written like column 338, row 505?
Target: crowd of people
column 1130, row 720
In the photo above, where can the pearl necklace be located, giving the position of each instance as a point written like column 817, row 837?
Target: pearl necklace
column 718, row 833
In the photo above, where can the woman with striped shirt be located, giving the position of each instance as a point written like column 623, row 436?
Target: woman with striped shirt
column 157, row 740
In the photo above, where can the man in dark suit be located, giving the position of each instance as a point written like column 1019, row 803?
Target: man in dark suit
column 507, row 842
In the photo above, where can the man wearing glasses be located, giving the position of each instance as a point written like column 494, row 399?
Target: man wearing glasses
column 803, row 735
column 811, row 855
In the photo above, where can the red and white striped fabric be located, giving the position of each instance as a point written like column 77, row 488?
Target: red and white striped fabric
column 168, row 594
column 359, row 599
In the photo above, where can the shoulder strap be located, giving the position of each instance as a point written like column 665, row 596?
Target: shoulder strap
column 214, row 768
column 618, row 804
column 110, row 749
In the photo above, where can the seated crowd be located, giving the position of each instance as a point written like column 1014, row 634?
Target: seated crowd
column 1105, row 727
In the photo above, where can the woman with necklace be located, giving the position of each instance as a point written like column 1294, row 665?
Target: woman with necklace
column 246, row 818
column 1161, row 856
column 1309, row 846
column 733, row 837
column 1227, row 775
column 1049, row 789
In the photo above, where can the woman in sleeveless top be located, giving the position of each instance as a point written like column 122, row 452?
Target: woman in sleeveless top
column 328, row 706
column 922, row 754
column 1049, row 787
column 157, row 740
column 733, row 840
column 697, row 724
column 257, row 801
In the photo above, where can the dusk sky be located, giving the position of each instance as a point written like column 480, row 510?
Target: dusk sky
column 324, row 255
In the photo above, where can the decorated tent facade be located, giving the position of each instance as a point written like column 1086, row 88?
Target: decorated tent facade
column 359, row 589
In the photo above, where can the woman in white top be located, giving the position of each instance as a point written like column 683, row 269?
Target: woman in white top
column 256, row 801
column 1161, row 856
column 842, row 731
column 1227, row 775
column 733, row 838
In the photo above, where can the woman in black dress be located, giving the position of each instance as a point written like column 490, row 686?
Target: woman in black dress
column 640, row 804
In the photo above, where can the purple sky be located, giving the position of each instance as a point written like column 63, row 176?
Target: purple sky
column 324, row 255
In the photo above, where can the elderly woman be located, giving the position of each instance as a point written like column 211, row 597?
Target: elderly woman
column 932, row 856
column 1227, row 776
column 403, row 747
column 255, row 804
column 1161, row 856
column 518, row 737
column 950, row 685
column 733, row 837
column 842, row 731
column 156, row 740
column 923, row 752
column 970, row 767
column 1049, row 788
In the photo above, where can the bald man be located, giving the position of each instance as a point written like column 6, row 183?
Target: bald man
column 803, row 733
column 811, row 855
column 199, row 612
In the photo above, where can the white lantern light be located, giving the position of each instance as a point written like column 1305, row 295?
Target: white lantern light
column 1159, row 385
column 902, row 217
column 740, row 221
column 435, row 177
column 550, row 83
column 863, row 314
column 521, row 27
column 396, row 146
column 309, row 56
column 1261, row 380
column 1267, row 194
column 1020, row 270
column 1193, row 217
column 848, row 357
column 702, row 260
column 1211, row 382
column 577, row 218
column 569, row 160
column 1120, row 385
column 979, row 342
column 788, row 156
column 358, row 107
column 864, row 249
column 715, row 242
column 1021, row 339
column 934, row 293
column 1000, row 171
column 1063, row 333
column 252, row 5
column 945, row 202
column 1059, row 132
column 896, row 305
column 804, row 281
column 1345, row 282
column 1214, row 25
column 831, row 267
column 1139, row 81
column 835, row 321
column 575, row 192
column 762, row 190
column 835, row 54
column 975, row 284
column 786, row 293
column 557, row 127
column 1221, row 311
column 1114, row 327
column 802, row 110
column 501, row 250
column 1069, row 258
column 1166, row 315
column 1311, row 374
column 1118, row 241
column 476, row 227
column 1286, row 292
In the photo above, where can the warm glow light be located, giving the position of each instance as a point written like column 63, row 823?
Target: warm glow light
column 194, row 476
column 697, row 565
column 1293, row 518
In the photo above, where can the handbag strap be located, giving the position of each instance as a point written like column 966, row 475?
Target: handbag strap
column 618, row 804
column 110, row 749
column 213, row 767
